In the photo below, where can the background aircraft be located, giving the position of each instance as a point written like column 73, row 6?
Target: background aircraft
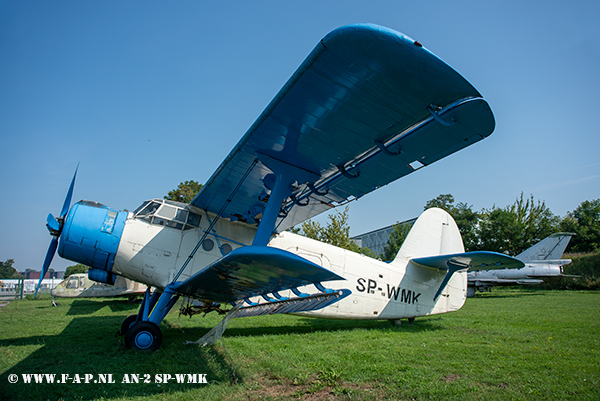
column 80, row 286
column 542, row 261
column 367, row 106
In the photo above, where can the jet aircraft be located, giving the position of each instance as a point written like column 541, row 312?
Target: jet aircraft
column 368, row 105
column 542, row 261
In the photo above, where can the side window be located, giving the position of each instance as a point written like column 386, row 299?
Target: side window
column 73, row 283
column 193, row 220
column 181, row 215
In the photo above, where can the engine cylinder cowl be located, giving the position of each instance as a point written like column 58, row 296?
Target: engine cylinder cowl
column 91, row 236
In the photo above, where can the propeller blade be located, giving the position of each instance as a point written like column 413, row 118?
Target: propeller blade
column 47, row 261
column 52, row 224
column 67, row 203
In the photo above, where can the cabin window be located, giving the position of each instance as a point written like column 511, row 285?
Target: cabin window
column 181, row 215
column 208, row 245
column 226, row 248
column 193, row 220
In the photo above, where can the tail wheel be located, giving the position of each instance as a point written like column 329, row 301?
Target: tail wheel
column 129, row 320
column 143, row 336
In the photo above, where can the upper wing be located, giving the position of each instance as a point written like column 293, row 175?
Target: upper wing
column 367, row 106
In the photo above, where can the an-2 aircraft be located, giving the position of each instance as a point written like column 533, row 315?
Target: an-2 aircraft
column 81, row 286
column 367, row 106
column 542, row 261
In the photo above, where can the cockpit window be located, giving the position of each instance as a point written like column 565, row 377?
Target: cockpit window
column 167, row 213
column 149, row 209
column 73, row 283
column 143, row 205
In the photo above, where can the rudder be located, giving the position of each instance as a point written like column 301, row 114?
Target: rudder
column 434, row 233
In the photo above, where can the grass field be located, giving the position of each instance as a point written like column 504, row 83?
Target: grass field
column 506, row 345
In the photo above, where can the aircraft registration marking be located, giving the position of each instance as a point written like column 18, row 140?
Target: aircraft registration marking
column 406, row 295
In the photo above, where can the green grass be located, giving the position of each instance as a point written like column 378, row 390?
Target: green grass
column 506, row 345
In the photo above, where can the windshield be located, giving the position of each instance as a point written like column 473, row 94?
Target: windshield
column 167, row 213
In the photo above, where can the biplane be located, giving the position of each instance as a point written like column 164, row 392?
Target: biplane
column 367, row 106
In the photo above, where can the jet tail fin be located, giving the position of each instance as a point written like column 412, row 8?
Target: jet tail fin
column 550, row 248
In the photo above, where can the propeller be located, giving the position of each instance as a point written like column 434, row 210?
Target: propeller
column 55, row 226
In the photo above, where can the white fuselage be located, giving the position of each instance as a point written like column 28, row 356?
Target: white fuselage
column 153, row 254
column 530, row 271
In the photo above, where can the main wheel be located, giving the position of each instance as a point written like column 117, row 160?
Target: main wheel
column 143, row 336
column 129, row 320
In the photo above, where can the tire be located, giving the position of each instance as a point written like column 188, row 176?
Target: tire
column 143, row 336
column 129, row 320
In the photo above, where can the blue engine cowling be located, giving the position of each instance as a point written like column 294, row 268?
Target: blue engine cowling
column 91, row 236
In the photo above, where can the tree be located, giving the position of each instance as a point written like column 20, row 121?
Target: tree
column 76, row 269
column 584, row 221
column 8, row 271
column 395, row 240
column 516, row 227
column 336, row 232
column 184, row 192
column 444, row 201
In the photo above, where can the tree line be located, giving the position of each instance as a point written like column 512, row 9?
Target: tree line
column 510, row 230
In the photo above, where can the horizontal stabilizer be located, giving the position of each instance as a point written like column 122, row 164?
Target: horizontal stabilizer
column 294, row 305
column 469, row 260
column 252, row 271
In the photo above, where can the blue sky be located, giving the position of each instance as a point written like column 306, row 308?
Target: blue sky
column 146, row 94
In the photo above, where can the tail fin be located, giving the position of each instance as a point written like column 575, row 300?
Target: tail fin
column 550, row 248
column 434, row 233
column 434, row 242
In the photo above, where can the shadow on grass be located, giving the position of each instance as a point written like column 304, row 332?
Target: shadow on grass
column 87, row 307
column 303, row 325
column 87, row 346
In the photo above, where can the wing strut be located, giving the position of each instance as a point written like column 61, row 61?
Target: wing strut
column 212, row 224
column 285, row 176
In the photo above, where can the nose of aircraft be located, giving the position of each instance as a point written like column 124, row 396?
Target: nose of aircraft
column 89, row 233
column 91, row 236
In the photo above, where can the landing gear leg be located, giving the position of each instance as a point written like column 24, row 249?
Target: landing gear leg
column 141, row 331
